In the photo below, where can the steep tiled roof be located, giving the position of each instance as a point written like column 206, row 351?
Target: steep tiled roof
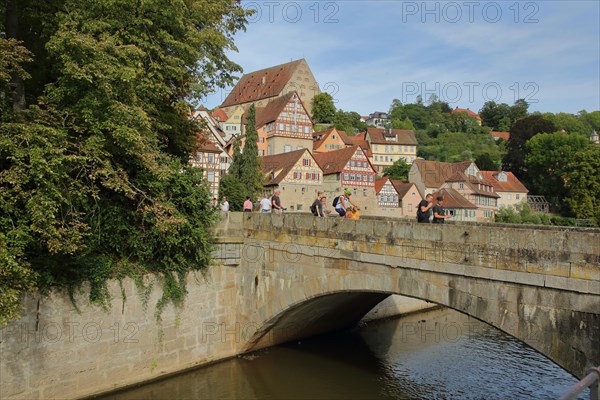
column 332, row 162
column 380, row 183
column 279, row 165
column 512, row 184
column 273, row 109
column 395, row 136
column 251, row 88
column 360, row 141
column 453, row 199
column 501, row 135
column 320, row 137
column 435, row 173
column 467, row 111
column 219, row 115
column 402, row 187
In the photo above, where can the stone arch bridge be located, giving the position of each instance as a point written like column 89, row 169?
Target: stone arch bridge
column 301, row 276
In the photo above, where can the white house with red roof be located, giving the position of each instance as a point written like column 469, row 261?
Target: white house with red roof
column 457, row 205
column 297, row 175
column 397, row 198
column 349, row 168
column 507, row 186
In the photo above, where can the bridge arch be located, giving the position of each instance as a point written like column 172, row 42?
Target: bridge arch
column 318, row 275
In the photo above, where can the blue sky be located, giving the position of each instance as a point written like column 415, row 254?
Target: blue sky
column 367, row 53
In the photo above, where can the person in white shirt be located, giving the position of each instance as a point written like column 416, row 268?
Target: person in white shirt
column 224, row 204
column 265, row 204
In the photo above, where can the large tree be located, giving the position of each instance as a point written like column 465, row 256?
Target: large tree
column 251, row 174
column 546, row 159
column 398, row 170
column 94, row 175
column 583, row 183
column 521, row 131
column 323, row 109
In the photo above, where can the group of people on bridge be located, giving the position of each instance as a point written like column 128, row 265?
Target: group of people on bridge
column 427, row 208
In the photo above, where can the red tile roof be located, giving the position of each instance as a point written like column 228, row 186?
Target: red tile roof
column 360, row 141
column 273, row 109
column 512, row 184
column 251, row 88
column 394, row 136
column 205, row 145
column 402, row 188
column 453, row 199
column 435, row 173
column 320, row 137
column 332, row 162
column 501, row 135
column 467, row 111
column 219, row 115
column 278, row 166
column 380, row 183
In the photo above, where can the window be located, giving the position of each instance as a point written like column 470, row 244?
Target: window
column 510, row 196
column 294, row 128
column 517, row 196
column 306, row 129
column 346, row 177
column 199, row 157
column 281, row 127
column 307, row 176
column 211, row 176
column 306, row 162
column 211, row 158
column 287, row 148
column 261, row 139
column 461, row 185
column 261, row 153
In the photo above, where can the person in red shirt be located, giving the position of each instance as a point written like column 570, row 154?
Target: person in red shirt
column 248, row 205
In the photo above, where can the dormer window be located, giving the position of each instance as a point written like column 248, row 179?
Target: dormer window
column 502, row 177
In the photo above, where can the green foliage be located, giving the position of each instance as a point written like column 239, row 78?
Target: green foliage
column 521, row 131
column 547, row 156
column 323, row 109
column 94, row 180
column 570, row 123
column 582, row 178
column 398, row 170
column 460, row 146
column 521, row 214
column 234, row 189
column 499, row 117
column 251, row 175
column 348, row 122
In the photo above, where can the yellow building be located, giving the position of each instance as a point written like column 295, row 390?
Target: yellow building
column 390, row 145
column 330, row 139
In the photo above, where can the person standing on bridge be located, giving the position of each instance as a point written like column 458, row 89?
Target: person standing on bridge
column 439, row 212
column 343, row 202
column 248, row 204
column 265, row 204
column 424, row 209
column 276, row 203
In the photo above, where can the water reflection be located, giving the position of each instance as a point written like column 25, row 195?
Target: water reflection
column 435, row 355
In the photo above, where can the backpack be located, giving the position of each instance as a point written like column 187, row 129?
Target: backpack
column 419, row 213
column 313, row 208
column 335, row 201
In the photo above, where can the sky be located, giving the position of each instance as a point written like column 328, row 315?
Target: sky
column 367, row 53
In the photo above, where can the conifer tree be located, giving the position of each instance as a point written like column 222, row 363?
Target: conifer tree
column 251, row 174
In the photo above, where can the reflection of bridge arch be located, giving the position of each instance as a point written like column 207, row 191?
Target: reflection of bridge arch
column 318, row 275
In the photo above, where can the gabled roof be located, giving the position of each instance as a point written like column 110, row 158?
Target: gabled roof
column 320, row 137
column 512, row 184
column 219, row 115
column 251, row 87
column 467, row 111
column 273, row 109
column 278, row 166
column 453, row 199
column 359, row 140
column 402, row 188
column 435, row 173
column 380, row 183
column 332, row 162
column 501, row 135
column 393, row 136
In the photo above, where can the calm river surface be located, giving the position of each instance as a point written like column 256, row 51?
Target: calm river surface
column 438, row 354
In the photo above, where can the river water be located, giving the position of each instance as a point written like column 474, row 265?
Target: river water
column 438, row 354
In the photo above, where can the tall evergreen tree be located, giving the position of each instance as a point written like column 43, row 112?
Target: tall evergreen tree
column 251, row 174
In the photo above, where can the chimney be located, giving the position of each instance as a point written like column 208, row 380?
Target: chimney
column 264, row 80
